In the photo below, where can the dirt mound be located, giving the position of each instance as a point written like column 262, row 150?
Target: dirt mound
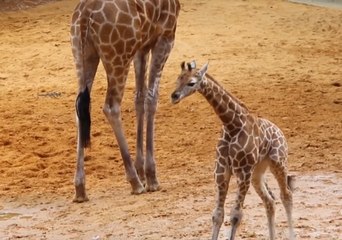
column 282, row 60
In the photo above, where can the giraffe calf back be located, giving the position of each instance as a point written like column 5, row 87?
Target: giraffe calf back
column 273, row 143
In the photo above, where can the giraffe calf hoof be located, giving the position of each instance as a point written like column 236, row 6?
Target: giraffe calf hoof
column 80, row 199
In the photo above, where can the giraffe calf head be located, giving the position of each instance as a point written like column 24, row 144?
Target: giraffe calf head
column 189, row 81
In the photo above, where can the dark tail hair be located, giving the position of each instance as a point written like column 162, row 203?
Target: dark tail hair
column 269, row 191
column 291, row 182
column 83, row 114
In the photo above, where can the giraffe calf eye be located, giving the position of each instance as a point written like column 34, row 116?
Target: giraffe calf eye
column 191, row 84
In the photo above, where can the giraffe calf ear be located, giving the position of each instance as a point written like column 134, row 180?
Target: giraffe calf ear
column 189, row 67
column 203, row 70
column 193, row 64
column 183, row 65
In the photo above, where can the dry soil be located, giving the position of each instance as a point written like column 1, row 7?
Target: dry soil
column 283, row 60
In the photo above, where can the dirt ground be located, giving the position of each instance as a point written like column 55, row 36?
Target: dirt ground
column 282, row 59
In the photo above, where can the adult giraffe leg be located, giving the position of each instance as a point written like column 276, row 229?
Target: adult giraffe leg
column 86, row 66
column 160, row 53
column 140, row 64
column 112, row 110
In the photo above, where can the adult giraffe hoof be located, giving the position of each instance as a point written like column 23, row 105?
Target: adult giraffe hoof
column 80, row 199
column 80, row 194
column 138, row 191
column 152, row 185
column 141, row 175
column 137, row 187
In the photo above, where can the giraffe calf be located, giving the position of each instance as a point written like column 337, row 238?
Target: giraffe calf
column 248, row 145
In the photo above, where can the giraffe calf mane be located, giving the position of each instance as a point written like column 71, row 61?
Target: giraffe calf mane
column 228, row 93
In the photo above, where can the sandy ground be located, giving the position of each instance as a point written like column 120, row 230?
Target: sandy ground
column 282, row 59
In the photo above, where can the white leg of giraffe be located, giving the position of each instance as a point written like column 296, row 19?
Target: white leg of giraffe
column 140, row 64
column 286, row 188
column 112, row 110
column 79, row 179
column 265, row 194
column 160, row 53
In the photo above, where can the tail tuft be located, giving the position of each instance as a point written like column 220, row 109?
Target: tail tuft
column 83, row 114
column 269, row 191
column 291, row 182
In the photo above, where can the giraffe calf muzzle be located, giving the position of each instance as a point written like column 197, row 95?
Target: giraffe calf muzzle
column 175, row 97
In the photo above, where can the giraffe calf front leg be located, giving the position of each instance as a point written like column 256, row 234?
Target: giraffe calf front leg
column 218, row 217
column 222, row 179
column 243, row 181
column 235, row 220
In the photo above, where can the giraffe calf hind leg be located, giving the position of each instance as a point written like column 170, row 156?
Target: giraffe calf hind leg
column 265, row 194
column 286, row 185
column 286, row 198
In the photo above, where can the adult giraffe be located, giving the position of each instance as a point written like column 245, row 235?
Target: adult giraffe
column 117, row 32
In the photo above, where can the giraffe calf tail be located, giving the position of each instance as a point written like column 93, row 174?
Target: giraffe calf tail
column 291, row 182
column 83, row 114
column 269, row 191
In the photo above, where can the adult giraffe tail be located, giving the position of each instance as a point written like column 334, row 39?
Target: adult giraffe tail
column 83, row 114
column 86, row 73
